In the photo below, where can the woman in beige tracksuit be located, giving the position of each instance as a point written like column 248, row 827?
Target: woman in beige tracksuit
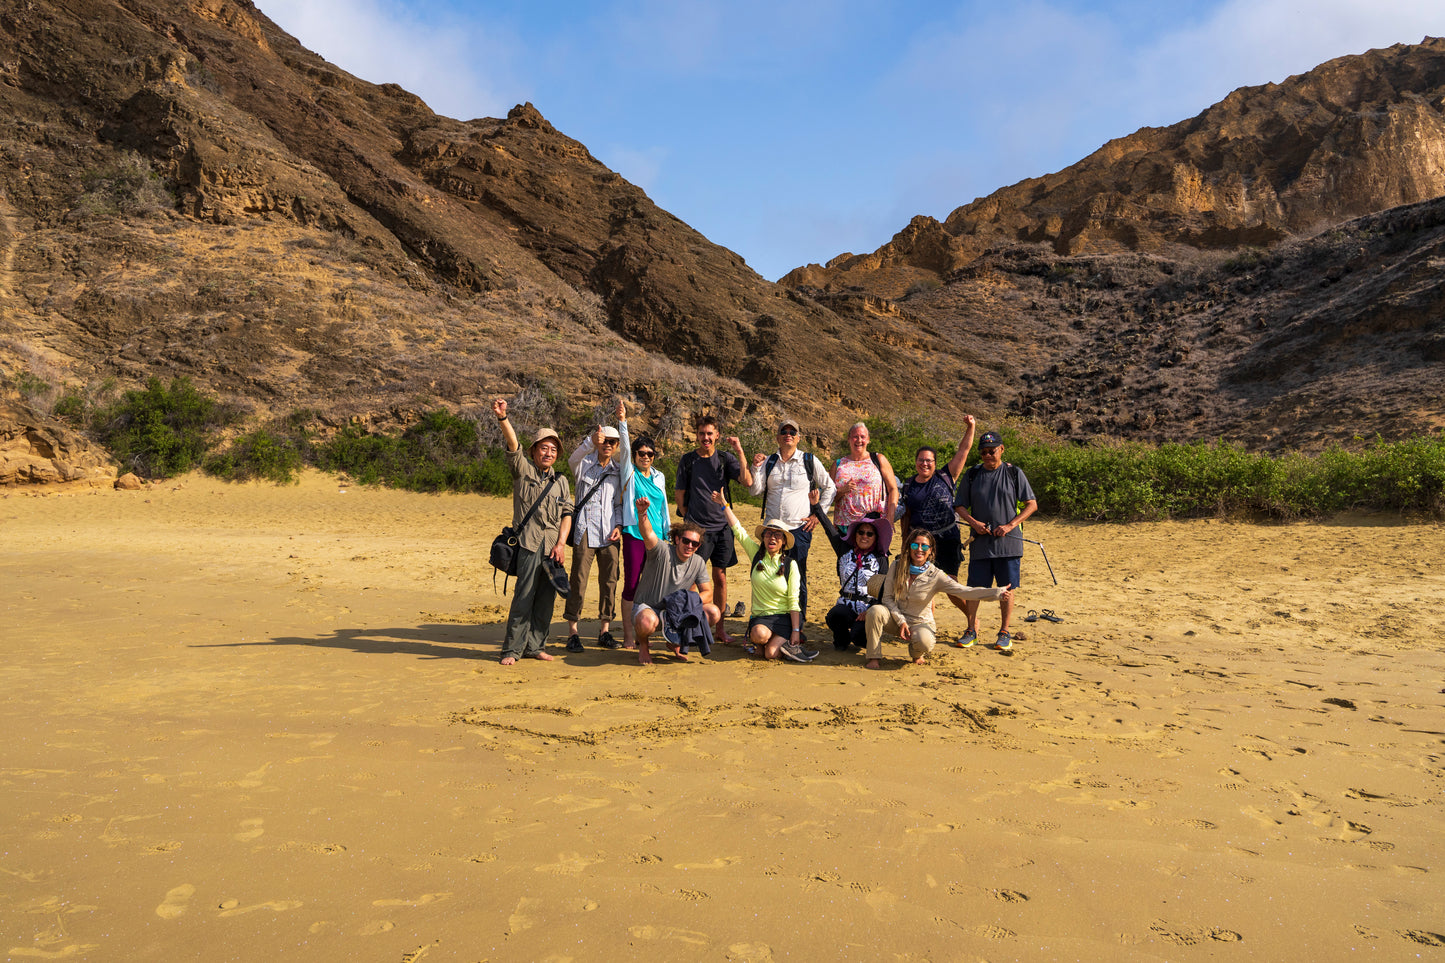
column 906, row 604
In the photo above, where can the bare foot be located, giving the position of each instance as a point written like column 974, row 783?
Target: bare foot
column 722, row 638
column 508, row 660
column 544, row 655
column 920, row 660
column 676, row 652
column 871, row 664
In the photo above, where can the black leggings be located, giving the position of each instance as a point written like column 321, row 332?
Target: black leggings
column 847, row 627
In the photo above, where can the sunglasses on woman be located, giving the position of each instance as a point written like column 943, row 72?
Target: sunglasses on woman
column 919, row 546
column 644, row 454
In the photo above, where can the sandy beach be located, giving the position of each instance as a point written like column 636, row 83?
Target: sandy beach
column 247, row 722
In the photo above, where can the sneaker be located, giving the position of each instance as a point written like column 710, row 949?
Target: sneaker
column 966, row 640
column 1005, row 642
column 574, row 644
column 739, row 611
column 607, row 641
column 796, row 653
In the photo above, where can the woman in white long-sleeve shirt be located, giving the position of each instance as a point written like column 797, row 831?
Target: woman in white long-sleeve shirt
column 906, row 604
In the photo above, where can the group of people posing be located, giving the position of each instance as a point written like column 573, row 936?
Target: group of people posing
column 618, row 518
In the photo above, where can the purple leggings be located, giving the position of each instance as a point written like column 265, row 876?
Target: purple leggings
column 634, row 553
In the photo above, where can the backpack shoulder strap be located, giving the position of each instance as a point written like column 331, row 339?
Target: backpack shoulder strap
column 684, row 470
column 768, row 471
column 808, row 470
column 873, row 457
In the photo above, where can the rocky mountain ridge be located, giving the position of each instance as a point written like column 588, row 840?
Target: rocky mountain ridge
column 185, row 190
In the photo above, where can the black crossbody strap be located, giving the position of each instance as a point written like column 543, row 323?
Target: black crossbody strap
column 577, row 508
column 528, row 517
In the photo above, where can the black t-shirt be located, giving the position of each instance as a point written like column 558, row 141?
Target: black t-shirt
column 707, row 475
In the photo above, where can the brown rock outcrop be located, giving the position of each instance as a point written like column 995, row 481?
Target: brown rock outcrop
column 1353, row 136
column 37, row 451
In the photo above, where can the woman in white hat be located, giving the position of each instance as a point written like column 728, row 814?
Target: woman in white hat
column 776, row 627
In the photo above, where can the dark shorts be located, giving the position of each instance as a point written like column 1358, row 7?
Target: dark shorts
column 781, row 625
column 718, row 548
column 984, row 572
column 948, row 551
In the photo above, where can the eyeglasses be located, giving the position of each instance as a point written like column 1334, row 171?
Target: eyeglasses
column 865, row 533
column 787, row 431
column 773, row 533
column 688, row 541
column 644, row 454
column 609, row 441
column 989, row 451
column 919, row 546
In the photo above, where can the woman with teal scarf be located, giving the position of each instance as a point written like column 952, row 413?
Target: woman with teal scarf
column 639, row 480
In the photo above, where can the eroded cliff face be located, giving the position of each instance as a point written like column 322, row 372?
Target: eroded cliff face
column 189, row 191
column 1354, row 136
column 185, row 190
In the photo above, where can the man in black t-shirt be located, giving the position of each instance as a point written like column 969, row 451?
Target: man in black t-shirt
column 699, row 474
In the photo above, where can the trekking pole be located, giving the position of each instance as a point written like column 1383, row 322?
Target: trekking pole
column 1045, row 554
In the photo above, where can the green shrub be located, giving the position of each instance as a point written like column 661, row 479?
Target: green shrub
column 442, row 452
column 265, row 453
column 162, row 430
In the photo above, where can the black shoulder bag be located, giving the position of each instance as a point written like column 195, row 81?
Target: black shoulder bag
column 504, row 546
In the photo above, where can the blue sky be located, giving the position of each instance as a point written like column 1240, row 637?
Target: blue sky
column 793, row 130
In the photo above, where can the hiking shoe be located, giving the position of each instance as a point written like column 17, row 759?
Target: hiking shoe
column 607, row 641
column 739, row 611
column 574, row 644
column 1005, row 642
column 796, row 653
column 966, row 640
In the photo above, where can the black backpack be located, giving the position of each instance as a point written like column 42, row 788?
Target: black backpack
column 807, row 469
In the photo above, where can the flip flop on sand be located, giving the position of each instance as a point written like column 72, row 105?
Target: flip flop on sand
column 1048, row 615
column 1032, row 616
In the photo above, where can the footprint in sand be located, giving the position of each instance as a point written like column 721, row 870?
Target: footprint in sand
column 1188, row 935
column 521, row 919
column 722, row 862
column 422, row 900
column 377, row 927
column 884, row 905
column 74, row 949
column 1008, row 895
column 233, row 907
column 568, row 864
column 175, row 902
column 250, row 829
column 750, row 953
column 691, row 937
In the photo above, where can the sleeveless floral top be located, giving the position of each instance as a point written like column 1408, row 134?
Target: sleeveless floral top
column 867, row 493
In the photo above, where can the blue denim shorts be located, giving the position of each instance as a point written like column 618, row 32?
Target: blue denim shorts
column 983, row 572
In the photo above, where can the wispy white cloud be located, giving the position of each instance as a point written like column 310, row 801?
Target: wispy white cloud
column 462, row 68
column 1023, row 91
